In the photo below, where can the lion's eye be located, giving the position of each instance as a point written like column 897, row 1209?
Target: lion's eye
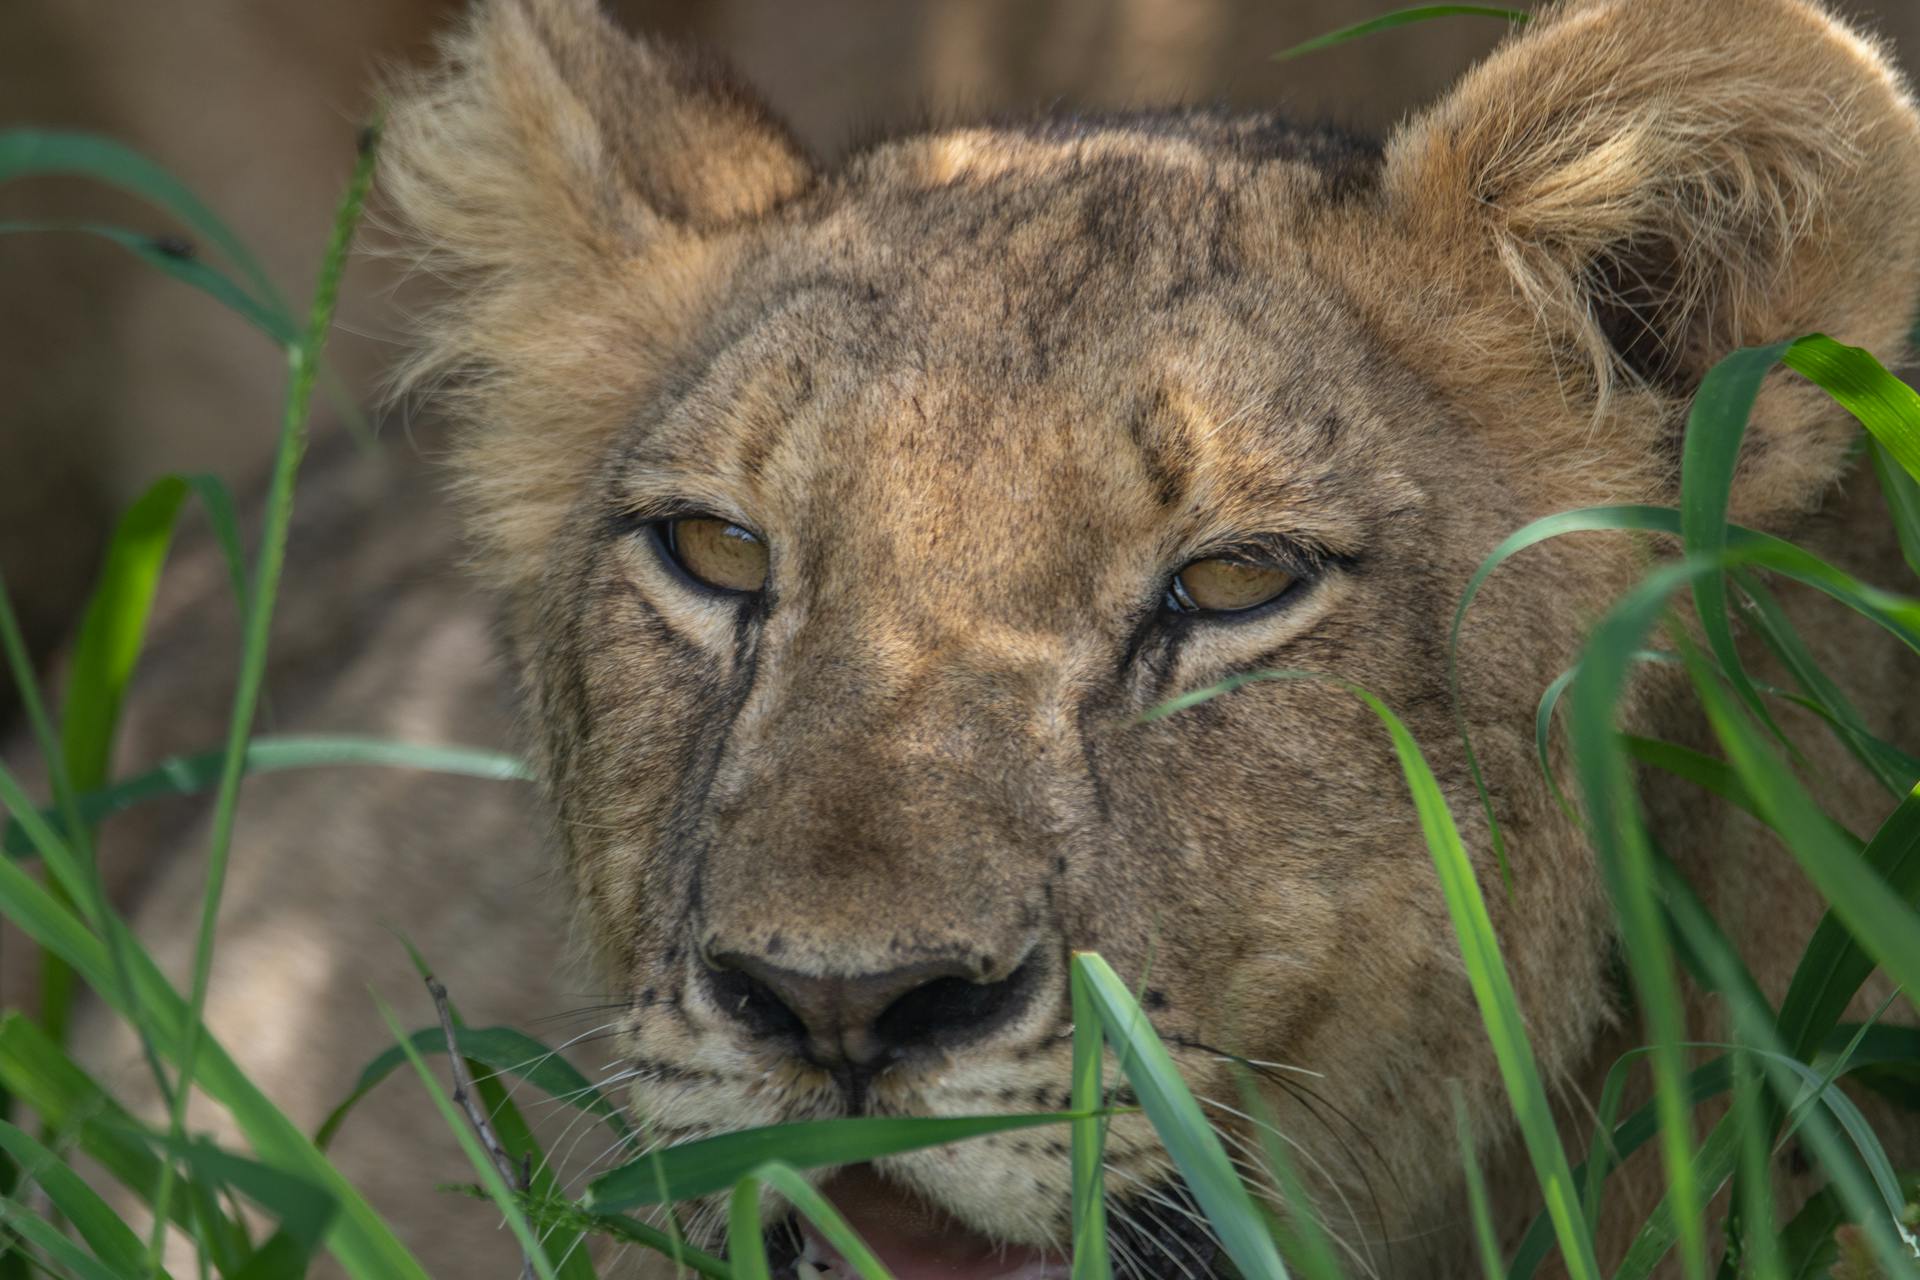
column 1226, row 585
column 715, row 553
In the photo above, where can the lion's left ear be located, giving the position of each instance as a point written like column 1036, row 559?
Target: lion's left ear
column 1653, row 183
column 581, row 193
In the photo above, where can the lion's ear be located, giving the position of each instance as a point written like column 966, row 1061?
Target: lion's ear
column 546, row 125
column 577, row 191
column 1658, row 182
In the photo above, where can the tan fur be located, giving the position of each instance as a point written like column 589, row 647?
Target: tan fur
column 981, row 391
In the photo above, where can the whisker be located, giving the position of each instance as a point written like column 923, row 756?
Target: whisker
column 1318, row 1167
column 1150, row 1191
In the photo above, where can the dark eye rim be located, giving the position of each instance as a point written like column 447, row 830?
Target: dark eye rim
column 659, row 535
column 1306, row 564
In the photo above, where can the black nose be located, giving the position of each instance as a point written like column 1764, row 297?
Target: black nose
column 864, row 1022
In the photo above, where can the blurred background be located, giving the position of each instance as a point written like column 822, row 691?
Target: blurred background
column 111, row 374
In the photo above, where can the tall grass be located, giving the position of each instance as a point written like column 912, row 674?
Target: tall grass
column 1780, row 1069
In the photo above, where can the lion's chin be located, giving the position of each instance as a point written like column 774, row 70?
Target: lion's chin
column 914, row 1240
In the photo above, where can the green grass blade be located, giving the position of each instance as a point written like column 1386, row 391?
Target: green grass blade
column 41, row 1234
column 1177, row 1118
column 1487, row 1245
column 216, row 501
column 71, row 869
column 1400, row 18
column 304, row 1209
column 113, row 631
column 1872, row 910
column 1902, row 493
column 1888, row 408
column 1877, row 1046
column 746, row 1237
column 694, row 1169
column 497, row 1189
column 48, row 153
column 1865, row 1141
column 1756, row 1235
column 303, row 360
column 1756, row 1115
column 70, row 879
column 746, row 1243
column 558, row 1236
column 1721, row 970
column 1661, row 1230
column 1896, row 770
column 280, row 1258
column 1703, row 771
column 1626, row 862
column 1840, row 1155
column 1838, row 1064
column 360, row 1239
column 1543, row 739
column 563, row 1244
column 1807, row 1245
column 1473, row 927
column 1090, row 1260
column 500, row 1050
column 1603, row 1153
column 1562, row 524
column 1834, row 966
column 559, row 1214
column 1709, row 1080
column 191, row 775
column 1716, row 426
column 39, row 1074
column 1493, row 991
column 39, row 152
column 173, row 258
column 112, row 1243
column 1304, row 1243
column 1896, row 614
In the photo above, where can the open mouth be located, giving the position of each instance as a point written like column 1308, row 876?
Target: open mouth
column 916, row 1241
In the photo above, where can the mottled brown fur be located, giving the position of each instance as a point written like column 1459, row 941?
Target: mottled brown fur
column 981, row 391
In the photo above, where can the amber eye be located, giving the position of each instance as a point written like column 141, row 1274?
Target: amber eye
column 716, row 553
column 1226, row 585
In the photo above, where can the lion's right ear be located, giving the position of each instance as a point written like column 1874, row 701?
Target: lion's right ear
column 576, row 189
column 548, row 127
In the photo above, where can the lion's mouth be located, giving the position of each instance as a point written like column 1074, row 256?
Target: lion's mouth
column 912, row 1239
column 915, row 1241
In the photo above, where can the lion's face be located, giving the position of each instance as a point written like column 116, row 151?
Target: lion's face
column 850, row 527
column 839, row 834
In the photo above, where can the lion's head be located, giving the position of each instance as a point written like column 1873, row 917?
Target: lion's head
column 846, row 522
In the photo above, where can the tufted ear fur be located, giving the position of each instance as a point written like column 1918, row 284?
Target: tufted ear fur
column 1649, row 184
column 575, row 188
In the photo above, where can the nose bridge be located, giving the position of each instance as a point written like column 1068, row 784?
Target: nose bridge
column 884, row 812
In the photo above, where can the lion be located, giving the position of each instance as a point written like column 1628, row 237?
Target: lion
column 841, row 528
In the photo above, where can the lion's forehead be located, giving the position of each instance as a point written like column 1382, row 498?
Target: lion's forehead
column 995, row 392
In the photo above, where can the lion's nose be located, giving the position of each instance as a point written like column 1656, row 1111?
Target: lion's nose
column 864, row 1022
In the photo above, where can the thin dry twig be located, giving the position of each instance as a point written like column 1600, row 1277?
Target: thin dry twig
column 465, row 1093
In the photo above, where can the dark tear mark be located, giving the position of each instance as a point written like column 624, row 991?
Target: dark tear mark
column 1161, row 465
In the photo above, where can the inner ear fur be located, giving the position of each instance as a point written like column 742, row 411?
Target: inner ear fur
column 576, row 190
column 1641, row 186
